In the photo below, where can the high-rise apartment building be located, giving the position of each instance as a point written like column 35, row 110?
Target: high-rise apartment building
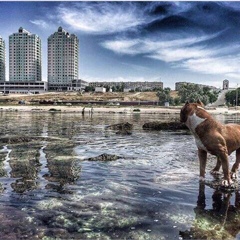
column 25, row 58
column 2, row 60
column 63, row 50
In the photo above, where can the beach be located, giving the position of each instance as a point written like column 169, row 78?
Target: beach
column 106, row 109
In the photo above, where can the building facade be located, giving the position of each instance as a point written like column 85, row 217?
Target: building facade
column 25, row 57
column 2, row 60
column 27, row 87
column 142, row 86
column 225, row 84
column 77, row 85
column 63, row 54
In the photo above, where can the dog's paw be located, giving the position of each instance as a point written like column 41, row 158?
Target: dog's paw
column 213, row 172
column 226, row 183
column 234, row 175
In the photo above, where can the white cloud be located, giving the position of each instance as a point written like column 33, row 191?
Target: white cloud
column 188, row 53
column 161, row 49
column 179, row 54
column 130, row 47
column 101, row 17
column 228, row 65
column 41, row 23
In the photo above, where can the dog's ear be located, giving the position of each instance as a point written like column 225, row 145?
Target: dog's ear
column 200, row 103
column 187, row 102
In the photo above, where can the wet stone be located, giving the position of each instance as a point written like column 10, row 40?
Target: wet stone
column 172, row 126
column 123, row 128
column 104, row 157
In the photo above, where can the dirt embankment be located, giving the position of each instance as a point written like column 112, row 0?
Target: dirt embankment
column 76, row 96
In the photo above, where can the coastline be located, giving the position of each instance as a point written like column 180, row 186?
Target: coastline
column 98, row 109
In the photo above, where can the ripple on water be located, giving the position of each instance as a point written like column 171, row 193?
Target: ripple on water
column 152, row 192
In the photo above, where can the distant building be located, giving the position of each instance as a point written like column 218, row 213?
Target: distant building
column 2, row 60
column 77, row 85
column 27, row 87
column 130, row 85
column 127, row 89
column 178, row 85
column 225, row 84
column 100, row 89
column 63, row 50
column 25, row 58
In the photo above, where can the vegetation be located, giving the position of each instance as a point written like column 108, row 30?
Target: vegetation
column 89, row 89
column 231, row 97
column 164, row 96
column 193, row 92
column 188, row 92
column 118, row 88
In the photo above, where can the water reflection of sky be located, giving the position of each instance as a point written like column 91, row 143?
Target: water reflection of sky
column 151, row 192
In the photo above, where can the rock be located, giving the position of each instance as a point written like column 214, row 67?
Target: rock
column 16, row 139
column 123, row 128
column 104, row 157
column 19, row 139
column 165, row 126
column 124, row 132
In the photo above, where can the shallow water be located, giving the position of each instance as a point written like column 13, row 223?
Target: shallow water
column 48, row 190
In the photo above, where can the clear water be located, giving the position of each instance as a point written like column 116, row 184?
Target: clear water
column 48, row 190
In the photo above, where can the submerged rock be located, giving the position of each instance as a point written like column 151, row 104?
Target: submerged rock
column 165, row 126
column 104, row 157
column 123, row 128
column 21, row 139
column 16, row 139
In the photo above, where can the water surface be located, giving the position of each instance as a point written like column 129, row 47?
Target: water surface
column 48, row 190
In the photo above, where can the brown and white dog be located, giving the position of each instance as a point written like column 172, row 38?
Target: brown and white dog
column 214, row 138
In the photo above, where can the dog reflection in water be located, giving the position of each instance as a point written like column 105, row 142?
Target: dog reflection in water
column 222, row 221
column 213, row 137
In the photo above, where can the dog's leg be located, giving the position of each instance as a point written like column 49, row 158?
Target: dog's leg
column 235, row 166
column 215, row 171
column 202, row 155
column 223, row 156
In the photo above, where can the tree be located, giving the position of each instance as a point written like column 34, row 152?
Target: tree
column 231, row 97
column 164, row 96
column 89, row 89
column 192, row 92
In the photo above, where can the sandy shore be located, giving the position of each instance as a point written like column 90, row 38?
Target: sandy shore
column 78, row 109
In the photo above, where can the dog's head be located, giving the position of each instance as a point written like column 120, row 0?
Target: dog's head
column 188, row 109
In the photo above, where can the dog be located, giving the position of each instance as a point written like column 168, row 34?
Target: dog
column 213, row 137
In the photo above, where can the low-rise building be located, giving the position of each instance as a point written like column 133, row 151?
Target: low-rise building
column 100, row 89
column 142, row 86
column 34, row 87
column 127, row 89
column 77, row 85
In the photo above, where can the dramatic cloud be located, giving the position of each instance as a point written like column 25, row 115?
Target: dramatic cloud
column 196, row 37
column 190, row 53
column 102, row 17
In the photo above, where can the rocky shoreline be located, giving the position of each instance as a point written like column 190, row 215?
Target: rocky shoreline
column 106, row 109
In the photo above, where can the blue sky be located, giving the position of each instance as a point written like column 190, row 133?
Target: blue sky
column 139, row 41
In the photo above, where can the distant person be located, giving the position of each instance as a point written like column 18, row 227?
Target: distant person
column 83, row 111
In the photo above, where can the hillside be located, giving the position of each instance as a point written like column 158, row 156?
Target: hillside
column 73, row 96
